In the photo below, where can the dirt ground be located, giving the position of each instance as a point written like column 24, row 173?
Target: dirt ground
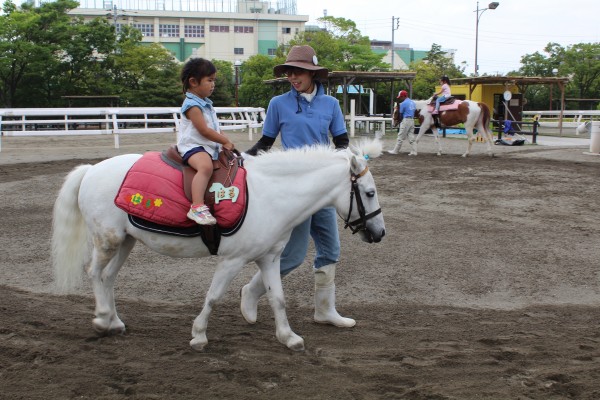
column 486, row 286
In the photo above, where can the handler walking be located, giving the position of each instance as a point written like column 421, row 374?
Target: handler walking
column 304, row 116
column 406, row 114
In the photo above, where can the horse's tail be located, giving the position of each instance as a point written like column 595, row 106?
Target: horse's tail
column 485, row 117
column 70, row 242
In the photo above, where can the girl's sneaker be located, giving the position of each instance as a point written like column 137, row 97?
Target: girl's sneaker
column 201, row 215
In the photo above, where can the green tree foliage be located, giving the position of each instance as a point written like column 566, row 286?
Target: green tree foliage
column 30, row 39
column 224, row 93
column 341, row 46
column 46, row 54
column 144, row 75
column 431, row 69
column 580, row 62
column 252, row 91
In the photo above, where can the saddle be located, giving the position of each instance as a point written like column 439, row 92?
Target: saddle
column 451, row 103
column 225, row 169
column 156, row 194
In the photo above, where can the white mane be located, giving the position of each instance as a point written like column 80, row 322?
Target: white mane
column 367, row 147
column 296, row 160
column 422, row 104
column 315, row 157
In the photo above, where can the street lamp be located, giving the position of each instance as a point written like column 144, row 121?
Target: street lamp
column 491, row 6
column 237, row 66
column 554, row 72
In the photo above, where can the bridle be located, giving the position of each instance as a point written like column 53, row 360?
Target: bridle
column 359, row 224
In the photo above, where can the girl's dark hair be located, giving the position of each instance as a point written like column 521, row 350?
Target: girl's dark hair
column 196, row 68
column 445, row 79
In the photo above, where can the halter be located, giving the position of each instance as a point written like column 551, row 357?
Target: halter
column 359, row 224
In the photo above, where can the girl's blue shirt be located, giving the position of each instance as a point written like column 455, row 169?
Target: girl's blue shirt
column 188, row 136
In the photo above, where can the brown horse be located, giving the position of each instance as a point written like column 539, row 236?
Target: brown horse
column 470, row 113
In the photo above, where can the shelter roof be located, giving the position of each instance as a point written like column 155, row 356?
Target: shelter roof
column 512, row 80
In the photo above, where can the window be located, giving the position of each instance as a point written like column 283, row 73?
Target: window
column 194, row 31
column 238, row 50
column 243, row 29
column 219, row 28
column 146, row 29
column 271, row 52
column 286, row 30
column 168, row 30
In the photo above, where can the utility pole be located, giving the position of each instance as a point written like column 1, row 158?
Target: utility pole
column 396, row 22
column 395, row 26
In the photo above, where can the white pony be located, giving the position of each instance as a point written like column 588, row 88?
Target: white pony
column 472, row 114
column 284, row 189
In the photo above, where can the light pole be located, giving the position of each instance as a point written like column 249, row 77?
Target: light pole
column 237, row 66
column 554, row 72
column 478, row 12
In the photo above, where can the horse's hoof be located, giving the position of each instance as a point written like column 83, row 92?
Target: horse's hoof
column 248, row 305
column 296, row 344
column 198, row 344
column 100, row 326
column 108, row 329
column 116, row 331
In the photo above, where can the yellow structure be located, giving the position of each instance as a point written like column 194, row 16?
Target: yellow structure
column 492, row 94
column 481, row 93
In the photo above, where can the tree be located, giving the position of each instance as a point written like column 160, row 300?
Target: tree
column 45, row 53
column 144, row 75
column 224, row 93
column 341, row 46
column 30, row 39
column 430, row 69
column 254, row 71
column 580, row 62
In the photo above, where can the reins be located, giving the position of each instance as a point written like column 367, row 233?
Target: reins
column 359, row 224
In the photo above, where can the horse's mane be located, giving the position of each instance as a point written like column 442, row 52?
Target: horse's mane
column 316, row 156
column 421, row 104
column 294, row 160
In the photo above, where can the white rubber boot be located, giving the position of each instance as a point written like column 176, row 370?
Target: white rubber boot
column 325, row 312
column 396, row 149
column 251, row 293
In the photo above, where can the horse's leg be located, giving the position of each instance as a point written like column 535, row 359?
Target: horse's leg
column 226, row 270
column 489, row 137
column 436, row 137
column 470, row 140
column 106, row 262
column 269, row 268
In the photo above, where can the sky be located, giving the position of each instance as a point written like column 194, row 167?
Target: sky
column 515, row 28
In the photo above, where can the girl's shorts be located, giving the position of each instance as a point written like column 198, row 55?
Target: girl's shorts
column 189, row 153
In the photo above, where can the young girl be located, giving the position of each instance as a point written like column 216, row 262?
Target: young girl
column 199, row 138
column 443, row 94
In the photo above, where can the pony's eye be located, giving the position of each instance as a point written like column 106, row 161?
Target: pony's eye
column 371, row 193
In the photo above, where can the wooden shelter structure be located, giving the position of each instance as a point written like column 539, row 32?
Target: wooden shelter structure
column 347, row 78
column 521, row 82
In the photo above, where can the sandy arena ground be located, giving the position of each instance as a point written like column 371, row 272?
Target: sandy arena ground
column 486, row 287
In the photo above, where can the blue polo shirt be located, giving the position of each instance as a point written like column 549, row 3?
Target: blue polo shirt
column 407, row 108
column 318, row 118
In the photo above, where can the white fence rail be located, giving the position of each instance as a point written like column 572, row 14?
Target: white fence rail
column 571, row 119
column 115, row 121
column 378, row 121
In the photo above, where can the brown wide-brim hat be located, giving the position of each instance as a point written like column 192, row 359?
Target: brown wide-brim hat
column 302, row 57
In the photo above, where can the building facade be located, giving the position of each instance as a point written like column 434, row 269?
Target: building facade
column 228, row 30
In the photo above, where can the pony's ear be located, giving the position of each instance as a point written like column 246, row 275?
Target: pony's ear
column 368, row 148
column 357, row 164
